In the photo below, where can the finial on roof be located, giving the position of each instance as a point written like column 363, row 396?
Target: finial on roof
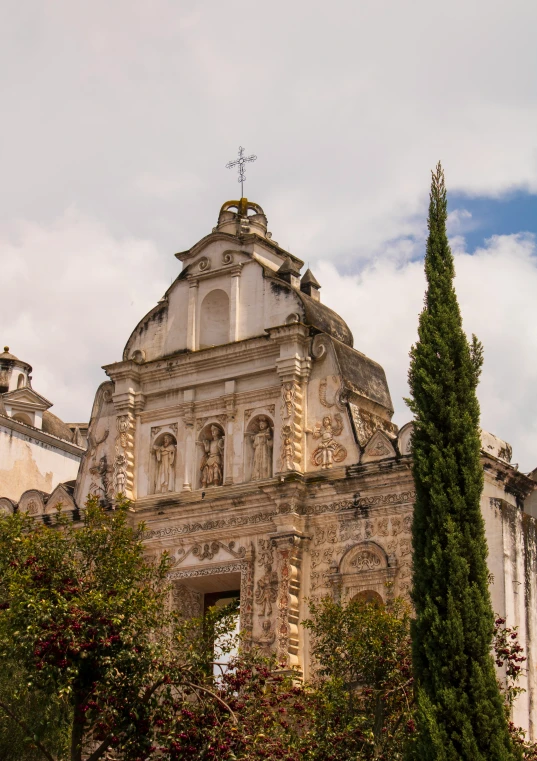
column 309, row 279
column 240, row 163
column 309, row 285
column 6, row 348
column 290, row 272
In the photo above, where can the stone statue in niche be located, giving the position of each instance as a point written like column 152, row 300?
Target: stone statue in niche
column 165, row 455
column 262, row 443
column 329, row 450
column 212, row 462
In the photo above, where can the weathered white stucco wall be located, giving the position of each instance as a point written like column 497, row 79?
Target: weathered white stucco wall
column 29, row 463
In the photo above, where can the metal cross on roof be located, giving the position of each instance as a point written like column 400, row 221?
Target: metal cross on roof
column 240, row 162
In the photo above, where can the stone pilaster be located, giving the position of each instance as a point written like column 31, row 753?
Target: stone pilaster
column 289, row 546
column 294, row 366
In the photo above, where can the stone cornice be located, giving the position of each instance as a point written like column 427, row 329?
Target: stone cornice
column 515, row 482
column 41, row 436
column 234, row 356
column 257, row 397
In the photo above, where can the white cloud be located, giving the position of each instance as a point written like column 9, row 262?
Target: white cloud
column 72, row 296
column 129, row 111
column 496, row 287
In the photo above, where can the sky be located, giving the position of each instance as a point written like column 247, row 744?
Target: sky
column 118, row 120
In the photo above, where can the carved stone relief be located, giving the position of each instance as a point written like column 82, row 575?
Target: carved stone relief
column 331, row 544
column 265, row 552
column 187, row 601
column 324, row 394
column 207, row 550
column 210, row 525
column 102, row 485
column 366, row 561
column 329, row 450
column 291, row 431
column 32, row 508
column 266, row 591
column 266, row 639
column 123, row 468
column 379, row 447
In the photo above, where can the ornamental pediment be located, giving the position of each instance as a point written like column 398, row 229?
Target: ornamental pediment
column 379, row 447
column 27, row 397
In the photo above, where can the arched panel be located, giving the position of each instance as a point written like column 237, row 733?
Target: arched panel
column 369, row 597
column 214, row 319
column 22, row 417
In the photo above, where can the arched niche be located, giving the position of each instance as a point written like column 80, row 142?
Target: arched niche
column 214, row 319
column 404, row 439
column 211, row 456
column 259, row 448
column 32, row 502
column 22, row 417
column 365, row 567
column 21, row 380
column 7, row 506
column 369, row 597
column 163, row 475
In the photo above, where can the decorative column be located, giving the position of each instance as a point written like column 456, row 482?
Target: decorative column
column 191, row 322
column 234, row 303
column 294, row 367
column 229, row 423
column 190, row 443
column 292, row 426
column 289, row 547
column 123, row 468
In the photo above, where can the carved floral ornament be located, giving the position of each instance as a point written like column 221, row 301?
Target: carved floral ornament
column 366, row 561
column 207, row 551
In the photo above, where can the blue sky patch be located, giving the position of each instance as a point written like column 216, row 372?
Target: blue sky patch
column 512, row 213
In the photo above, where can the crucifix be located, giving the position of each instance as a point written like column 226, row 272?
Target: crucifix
column 240, row 162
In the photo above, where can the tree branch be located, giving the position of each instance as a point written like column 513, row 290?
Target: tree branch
column 22, row 724
column 215, row 696
column 103, row 747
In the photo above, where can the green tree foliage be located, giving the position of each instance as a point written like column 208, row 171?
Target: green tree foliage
column 358, row 707
column 363, row 693
column 460, row 710
column 32, row 716
column 88, row 624
column 96, row 665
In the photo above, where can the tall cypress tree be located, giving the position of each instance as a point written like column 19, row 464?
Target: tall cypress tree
column 460, row 711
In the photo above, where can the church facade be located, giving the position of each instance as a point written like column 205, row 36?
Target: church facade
column 257, row 446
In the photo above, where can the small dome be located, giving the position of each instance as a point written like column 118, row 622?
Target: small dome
column 5, row 355
column 242, row 217
column 56, row 427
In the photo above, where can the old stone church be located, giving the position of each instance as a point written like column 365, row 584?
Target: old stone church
column 257, row 445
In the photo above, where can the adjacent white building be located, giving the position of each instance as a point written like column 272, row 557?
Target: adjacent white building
column 37, row 450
